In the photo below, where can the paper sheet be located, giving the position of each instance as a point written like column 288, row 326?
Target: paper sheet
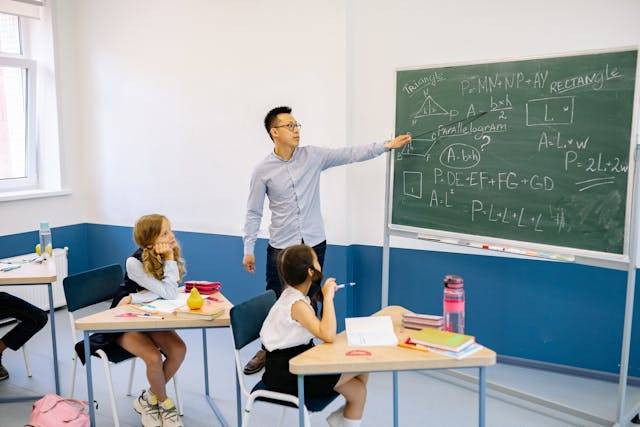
column 165, row 305
column 370, row 331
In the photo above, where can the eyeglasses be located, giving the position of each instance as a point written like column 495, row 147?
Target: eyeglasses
column 291, row 126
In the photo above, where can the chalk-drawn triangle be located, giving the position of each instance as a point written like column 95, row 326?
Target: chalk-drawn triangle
column 430, row 108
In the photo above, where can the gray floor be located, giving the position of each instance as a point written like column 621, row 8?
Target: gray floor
column 434, row 399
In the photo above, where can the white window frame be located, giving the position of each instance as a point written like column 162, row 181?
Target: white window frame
column 30, row 66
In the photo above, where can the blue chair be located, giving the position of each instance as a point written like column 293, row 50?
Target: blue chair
column 246, row 321
column 89, row 288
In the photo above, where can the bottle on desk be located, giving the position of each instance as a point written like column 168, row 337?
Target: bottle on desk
column 453, row 304
column 46, row 247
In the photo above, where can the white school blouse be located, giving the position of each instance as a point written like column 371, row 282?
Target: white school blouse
column 279, row 330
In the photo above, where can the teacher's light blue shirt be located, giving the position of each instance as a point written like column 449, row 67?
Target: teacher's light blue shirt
column 293, row 189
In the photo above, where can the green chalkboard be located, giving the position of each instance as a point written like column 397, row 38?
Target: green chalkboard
column 533, row 150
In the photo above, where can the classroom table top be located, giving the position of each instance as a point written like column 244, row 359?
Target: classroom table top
column 108, row 320
column 332, row 358
column 29, row 273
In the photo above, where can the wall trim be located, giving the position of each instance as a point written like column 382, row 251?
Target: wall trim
column 565, row 369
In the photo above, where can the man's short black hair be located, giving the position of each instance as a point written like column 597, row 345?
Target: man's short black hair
column 272, row 116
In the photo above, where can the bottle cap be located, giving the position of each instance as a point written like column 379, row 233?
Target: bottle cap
column 453, row 281
column 44, row 225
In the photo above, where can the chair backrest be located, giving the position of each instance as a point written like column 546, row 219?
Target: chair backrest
column 247, row 318
column 92, row 286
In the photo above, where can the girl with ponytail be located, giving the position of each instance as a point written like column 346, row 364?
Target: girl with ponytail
column 153, row 271
column 289, row 330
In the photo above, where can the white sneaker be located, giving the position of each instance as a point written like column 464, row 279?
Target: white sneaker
column 335, row 419
column 170, row 417
column 149, row 413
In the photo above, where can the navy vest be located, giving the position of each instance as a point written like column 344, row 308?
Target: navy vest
column 128, row 286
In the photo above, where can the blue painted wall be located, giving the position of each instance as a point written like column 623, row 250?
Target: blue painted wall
column 551, row 312
column 72, row 236
column 210, row 257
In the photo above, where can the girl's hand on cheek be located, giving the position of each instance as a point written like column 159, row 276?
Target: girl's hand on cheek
column 165, row 250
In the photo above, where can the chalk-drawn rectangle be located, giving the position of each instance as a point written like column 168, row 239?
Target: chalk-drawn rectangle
column 550, row 111
column 413, row 184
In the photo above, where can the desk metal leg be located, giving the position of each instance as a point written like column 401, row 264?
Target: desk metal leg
column 53, row 338
column 301, row 400
column 395, row 398
column 482, row 385
column 210, row 401
column 87, row 358
column 238, row 401
column 206, row 362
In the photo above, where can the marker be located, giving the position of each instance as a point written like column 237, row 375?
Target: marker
column 343, row 285
column 478, row 245
column 486, row 246
column 450, row 241
column 150, row 316
column 516, row 251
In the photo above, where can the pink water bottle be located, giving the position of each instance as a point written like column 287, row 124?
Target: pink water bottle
column 453, row 304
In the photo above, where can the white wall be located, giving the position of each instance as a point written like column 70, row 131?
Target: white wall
column 386, row 35
column 173, row 95
column 23, row 215
column 162, row 101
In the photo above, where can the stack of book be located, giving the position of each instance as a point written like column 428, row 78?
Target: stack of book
column 448, row 344
column 203, row 286
column 420, row 321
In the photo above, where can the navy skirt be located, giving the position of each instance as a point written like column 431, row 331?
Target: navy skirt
column 106, row 341
column 278, row 378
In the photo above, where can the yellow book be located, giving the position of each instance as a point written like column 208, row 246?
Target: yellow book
column 436, row 338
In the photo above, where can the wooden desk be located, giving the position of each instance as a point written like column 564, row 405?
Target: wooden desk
column 33, row 274
column 332, row 359
column 107, row 321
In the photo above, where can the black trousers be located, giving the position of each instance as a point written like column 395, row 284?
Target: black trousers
column 31, row 319
column 273, row 279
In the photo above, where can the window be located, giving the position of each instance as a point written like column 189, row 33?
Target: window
column 18, row 154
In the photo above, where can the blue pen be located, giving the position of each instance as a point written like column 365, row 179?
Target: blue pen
column 150, row 316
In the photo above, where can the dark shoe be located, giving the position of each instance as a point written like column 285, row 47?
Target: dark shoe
column 4, row 374
column 256, row 363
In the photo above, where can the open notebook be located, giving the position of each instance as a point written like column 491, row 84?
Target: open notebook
column 209, row 311
column 163, row 306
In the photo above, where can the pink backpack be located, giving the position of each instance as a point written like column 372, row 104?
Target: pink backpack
column 55, row 411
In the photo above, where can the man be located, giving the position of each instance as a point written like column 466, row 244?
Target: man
column 290, row 177
column 31, row 319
